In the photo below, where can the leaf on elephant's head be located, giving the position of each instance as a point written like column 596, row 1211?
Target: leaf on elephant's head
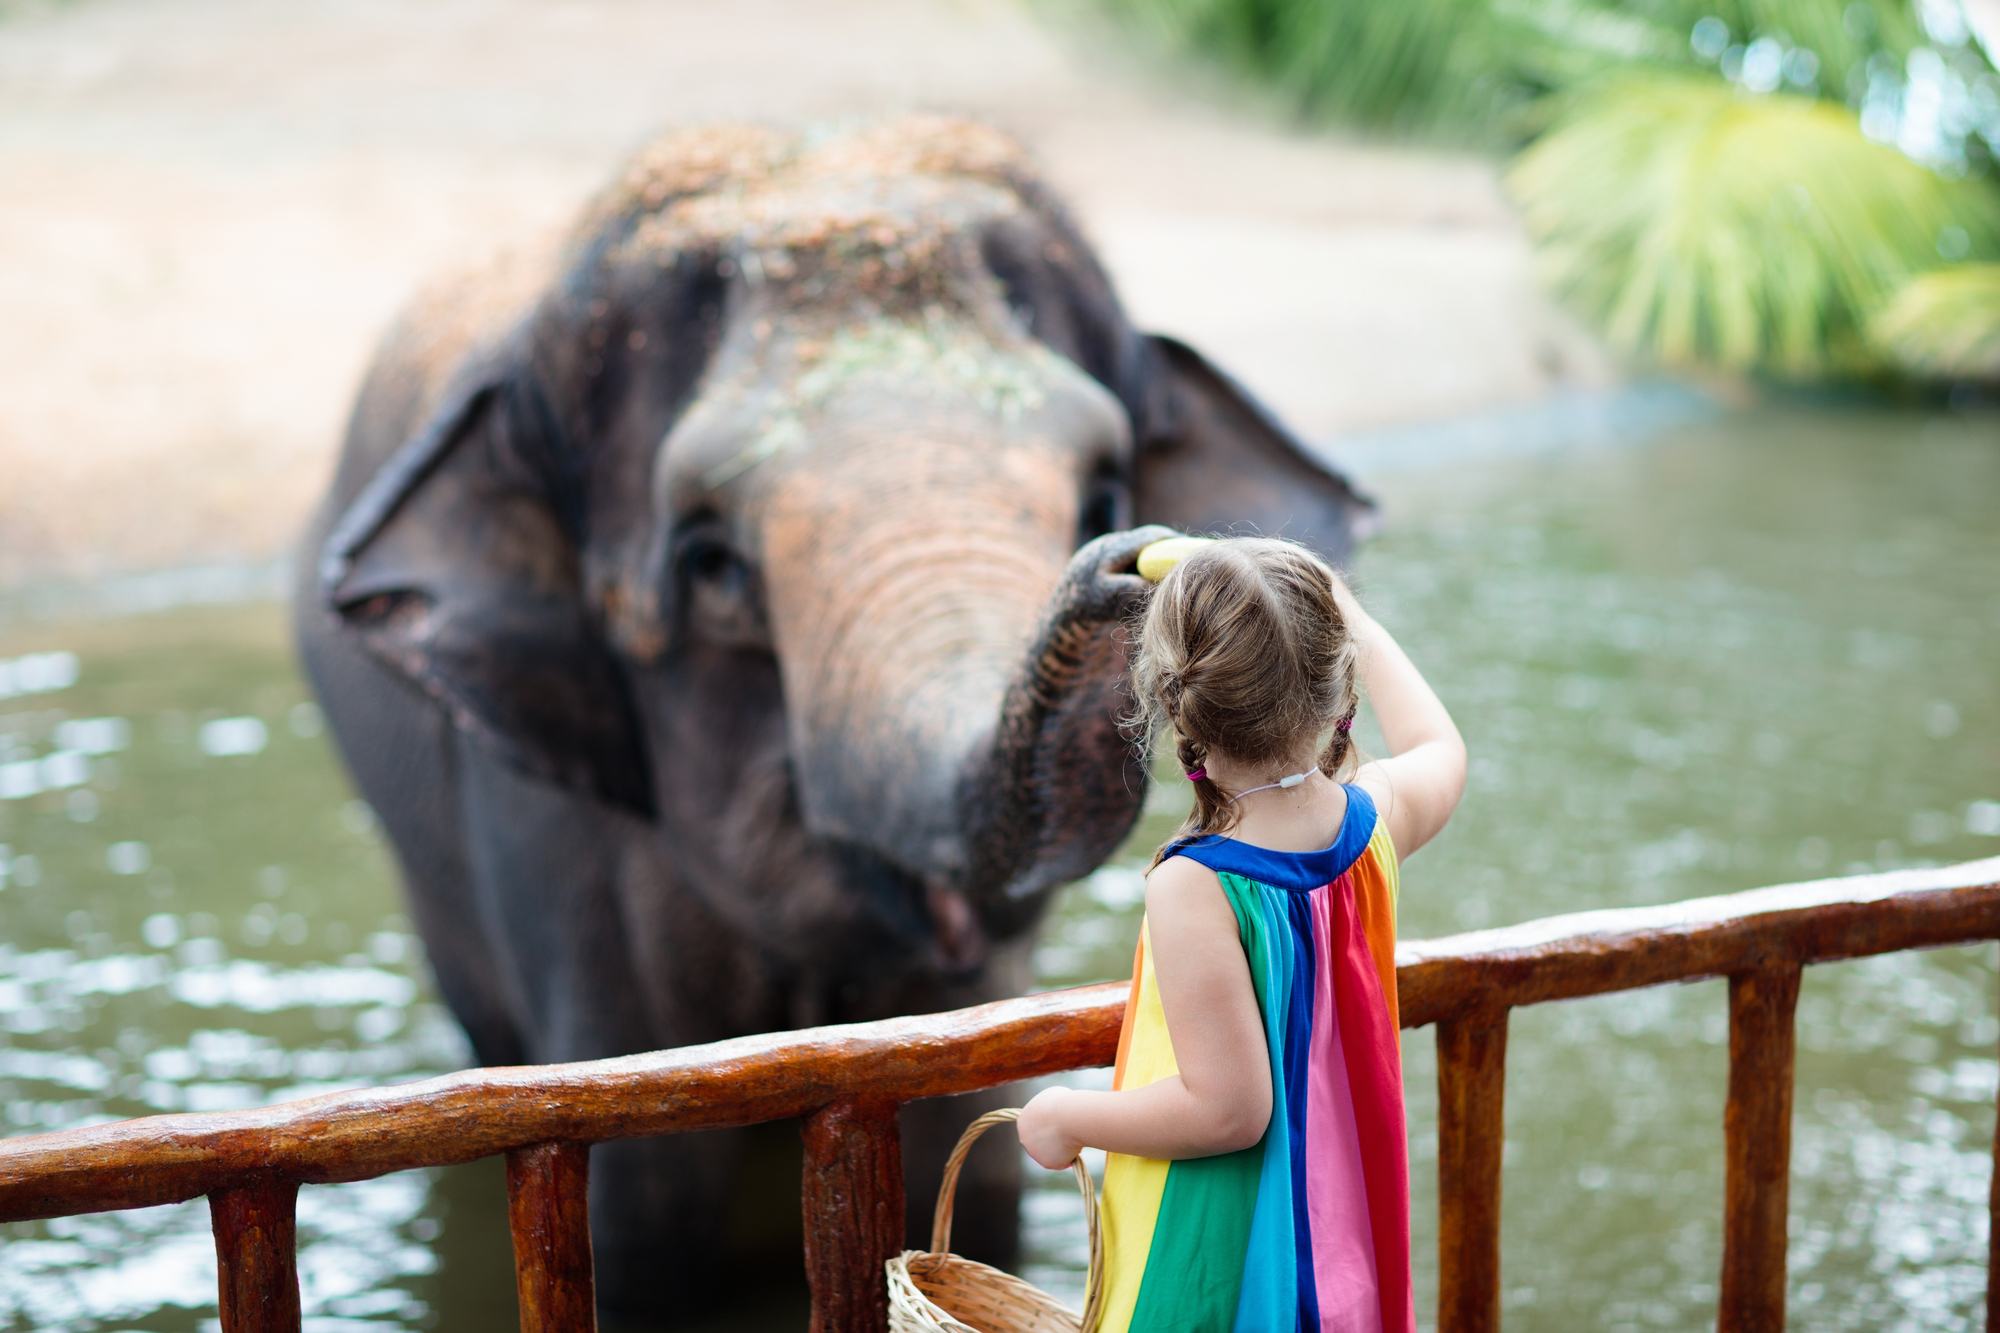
column 1696, row 225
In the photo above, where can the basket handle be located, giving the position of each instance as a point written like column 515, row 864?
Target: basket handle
column 1093, row 1284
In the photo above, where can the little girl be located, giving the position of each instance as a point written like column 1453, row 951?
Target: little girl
column 1257, row 1173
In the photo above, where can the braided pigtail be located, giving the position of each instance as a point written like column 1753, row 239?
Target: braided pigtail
column 1209, row 803
column 1338, row 758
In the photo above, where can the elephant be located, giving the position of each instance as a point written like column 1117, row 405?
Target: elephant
column 722, row 605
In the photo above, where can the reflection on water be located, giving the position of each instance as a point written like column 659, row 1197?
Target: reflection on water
column 195, row 916
column 1750, row 650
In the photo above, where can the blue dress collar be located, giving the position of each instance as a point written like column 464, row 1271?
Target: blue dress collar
column 1301, row 871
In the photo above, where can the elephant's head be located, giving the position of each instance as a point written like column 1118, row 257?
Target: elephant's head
column 796, row 513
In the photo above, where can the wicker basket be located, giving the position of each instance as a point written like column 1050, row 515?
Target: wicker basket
column 935, row 1291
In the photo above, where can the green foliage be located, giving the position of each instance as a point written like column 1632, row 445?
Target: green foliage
column 1944, row 325
column 1702, row 226
column 1412, row 66
column 1697, row 179
column 1464, row 69
column 1843, row 36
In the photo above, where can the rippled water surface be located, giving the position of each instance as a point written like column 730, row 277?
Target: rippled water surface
column 1740, row 650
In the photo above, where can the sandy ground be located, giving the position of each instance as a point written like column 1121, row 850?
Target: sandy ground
column 208, row 208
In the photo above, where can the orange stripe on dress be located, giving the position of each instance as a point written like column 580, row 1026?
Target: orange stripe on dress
column 1376, row 909
column 1130, row 1020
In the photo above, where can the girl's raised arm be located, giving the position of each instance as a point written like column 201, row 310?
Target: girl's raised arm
column 1417, row 787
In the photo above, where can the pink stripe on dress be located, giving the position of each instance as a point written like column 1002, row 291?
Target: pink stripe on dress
column 1343, row 1243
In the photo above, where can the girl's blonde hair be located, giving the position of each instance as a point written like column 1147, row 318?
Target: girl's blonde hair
column 1242, row 649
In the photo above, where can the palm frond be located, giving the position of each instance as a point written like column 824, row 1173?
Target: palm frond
column 1697, row 225
column 1944, row 325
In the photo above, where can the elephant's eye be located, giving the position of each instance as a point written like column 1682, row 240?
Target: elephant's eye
column 1106, row 508
column 702, row 551
column 705, row 558
column 716, row 587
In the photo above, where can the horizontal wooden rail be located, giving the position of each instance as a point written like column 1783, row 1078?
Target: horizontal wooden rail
column 483, row 1112
column 1595, row 953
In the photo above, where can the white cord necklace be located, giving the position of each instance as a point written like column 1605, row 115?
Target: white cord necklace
column 1289, row 780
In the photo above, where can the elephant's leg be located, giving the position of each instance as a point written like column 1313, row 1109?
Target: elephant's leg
column 658, row 1206
column 986, row 1217
column 681, row 1221
column 402, row 753
column 684, row 1220
column 656, row 1212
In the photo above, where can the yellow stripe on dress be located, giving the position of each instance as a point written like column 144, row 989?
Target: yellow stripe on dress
column 1385, row 861
column 1133, row 1186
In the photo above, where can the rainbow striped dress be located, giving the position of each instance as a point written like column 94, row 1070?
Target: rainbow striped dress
column 1309, row 1229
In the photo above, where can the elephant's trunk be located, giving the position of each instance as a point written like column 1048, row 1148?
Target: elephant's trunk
column 954, row 723
column 1064, row 781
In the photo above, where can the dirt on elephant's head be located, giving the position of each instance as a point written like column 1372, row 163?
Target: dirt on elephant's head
column 876, row 199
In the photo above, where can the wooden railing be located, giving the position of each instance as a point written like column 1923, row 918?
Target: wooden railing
column 846, row 1083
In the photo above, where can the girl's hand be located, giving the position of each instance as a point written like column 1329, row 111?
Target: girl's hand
column 1042, row 1131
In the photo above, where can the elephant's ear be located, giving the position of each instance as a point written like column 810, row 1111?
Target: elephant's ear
column 453, row 565
column 1211, row 458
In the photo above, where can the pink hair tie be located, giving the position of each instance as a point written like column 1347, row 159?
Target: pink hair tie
column 1196, row 774
column 1345, row 725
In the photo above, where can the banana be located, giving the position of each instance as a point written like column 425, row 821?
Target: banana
column 1159, row 557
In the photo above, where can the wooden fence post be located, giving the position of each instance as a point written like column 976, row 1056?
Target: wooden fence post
column 256, row 1257
column 1757, row 1129
column 548, row 1209
column 1472, row 1080
column 852, row 1193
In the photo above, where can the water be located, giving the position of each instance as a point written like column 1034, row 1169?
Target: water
column 1731, row 651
